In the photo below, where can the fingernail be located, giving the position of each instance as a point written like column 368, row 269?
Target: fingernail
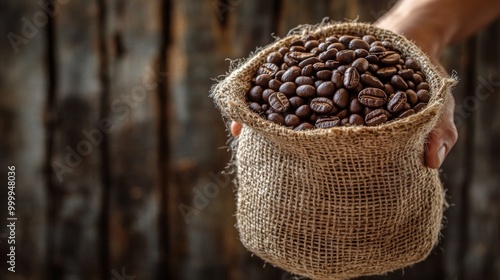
column 441, row 154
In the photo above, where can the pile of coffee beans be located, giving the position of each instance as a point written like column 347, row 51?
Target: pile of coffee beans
column 340, row 80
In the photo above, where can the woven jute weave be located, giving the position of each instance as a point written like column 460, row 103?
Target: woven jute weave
column 342, row 202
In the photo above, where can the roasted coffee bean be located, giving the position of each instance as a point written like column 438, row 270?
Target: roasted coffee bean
column 372, row 58
column 389, row 57
column 338, row 46
column 324, row 75
column 292, row 120
column 406, row 113
column 268, row 68
column 276, row 118
column 298, row 49
column 419, row 107
column 326, row 89
column 343, row 68
column 412, row 64
column 406, row 74
column 369, row 39
column 337, row 79
column 373, row 68
column 313, row 118
column 283, row 51
column 327, row 122
column 332, row 64
column 346, row 56
column 367, row 110
column 303, row 111
column 386, row 72
column 323, row 46
column 389, row 89
column 417, row 79
column 342, row 114
column 304, row 80
column 254, row 106
column 361, row 53
column 345, row 122
column 279, row 74
column 372, row 97
column 306, row 91
column 351, row 78
column 265, row 107
column 406, row 106
column 377, row 49
column 304, row 126
column 255, row 93
column 308, row 61
column 311, row 44
column 332, row 39
column 321, row 105
column 328, row 55
column 346, row 39
column 387, row 44
column 296, row 101
column 290, row 75
column 288, row 88
column 355, row 106
column 411, row 97
column 315, row 51
column 341, row 98
column 307, row 71
column 357, row 89
column 275, row 58
column 397, row 102
column 422, row 85
column 361, row 64
column 297, row 42
column 398, row 82
column 423, row 96
column 376, row 43
column 410, row 84
column 263, row 80
column 371, row 81
column 279, row 102
column 318, row 66
column 355, row 44
column 356, row 119
column 275, row 84
column 376, row 117
column 266, row 93
column 317, row 83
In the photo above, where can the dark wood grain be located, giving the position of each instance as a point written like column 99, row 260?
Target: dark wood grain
column 24, row 90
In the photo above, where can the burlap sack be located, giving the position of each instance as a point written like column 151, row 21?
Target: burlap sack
column 342, row 202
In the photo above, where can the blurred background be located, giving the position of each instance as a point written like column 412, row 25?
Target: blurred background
column 119, row 152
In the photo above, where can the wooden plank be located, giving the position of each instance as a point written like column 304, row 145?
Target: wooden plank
column 76, row 190
column 132, row 40
column 24, row 89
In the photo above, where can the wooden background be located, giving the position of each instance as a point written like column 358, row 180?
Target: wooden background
column 104, row 111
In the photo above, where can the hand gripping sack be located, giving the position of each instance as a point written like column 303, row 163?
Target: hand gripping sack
column 341, row 202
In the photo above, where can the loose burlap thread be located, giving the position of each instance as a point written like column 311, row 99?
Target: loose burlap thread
column 342, row 202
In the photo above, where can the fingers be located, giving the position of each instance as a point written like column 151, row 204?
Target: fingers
column 235, row 128
column 442, row 138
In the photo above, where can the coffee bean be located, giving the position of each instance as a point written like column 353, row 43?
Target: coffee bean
column 338, row 46
column 372, row 58
column 323, row 46
column 371, row 81
column 412, row 64
column 304, row 80
column 275, row 58
column 301, row 49
column 266, row 93
column 290, row 75
column 326, row 89
column 327, row 122
column 306, row 91
column 389, row 57
column 308, row 61
column 342, row 114
column 351, row 78
column 303, row 111
column 328, row 55
column 279, row 74
column 296, row 101
column 311, row 44
column 417, row 79
column 324, row 75
column 411, row 97
column 423, row 96
column 356, row 119
column 361, row 53
column 387, row 72
column 343, row 68
column 337, row 79
column 369, row 38
column 406, row 113
column 377, row 49
column 376, row 117
column 276, row 118
column 355, row 106
column 313, row 118
column 341, row 98
column 419, row 107
column 397, row 102
column 346, row 56
column 361, row 64
column 283, row 51
column 318, row 66
column 357, row 89
column 292, row 120
column 265, row 107
column 307, row 70
column 358, row 44
column 373, row 68
column 304, row 126
column 407, row 105
column 389, row 89
column 317, row 83
column 288, row 88
column 410, row 84
column 296, row 42
column 275, row 84
column 321, row 105
column 332, row 64
column 372, row 97
column 345, row 122
column 279, row 102
column 255, row 93
column 367, row 110
column 254, row 106
column 263, row 79
column 406, row 74
column 422, row 85
column 376, row 43
column 268, row 68
column 346, row 39
column 332, row 39
column 398, row 82
column 387, row 44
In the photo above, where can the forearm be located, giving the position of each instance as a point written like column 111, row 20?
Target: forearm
column 435, row 24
